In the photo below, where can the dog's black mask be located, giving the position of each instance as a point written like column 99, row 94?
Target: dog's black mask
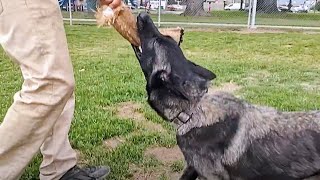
column 168, row 73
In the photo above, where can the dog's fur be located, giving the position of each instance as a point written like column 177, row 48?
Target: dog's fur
column 221, row 136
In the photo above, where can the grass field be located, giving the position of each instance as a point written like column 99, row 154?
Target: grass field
column 113, row 124
column 235, row 17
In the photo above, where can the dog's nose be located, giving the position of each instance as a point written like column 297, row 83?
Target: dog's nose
column 143, row 16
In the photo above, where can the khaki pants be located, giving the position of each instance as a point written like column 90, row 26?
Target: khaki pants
column 32, row 33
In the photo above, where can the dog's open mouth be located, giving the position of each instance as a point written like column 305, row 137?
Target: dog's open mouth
column 145, row 25
column 141, row 19
column 146, row 28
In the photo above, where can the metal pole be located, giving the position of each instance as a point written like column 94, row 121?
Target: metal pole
column 159, row 13
column 249, row 16
column 254, row 12
column 70, row 13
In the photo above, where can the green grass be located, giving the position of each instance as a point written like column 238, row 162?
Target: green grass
column 279, row 70
column 235, row 17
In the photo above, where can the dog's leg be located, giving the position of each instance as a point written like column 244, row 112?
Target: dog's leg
column 189, row 174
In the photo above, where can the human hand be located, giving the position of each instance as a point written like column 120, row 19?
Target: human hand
column 108, row 12
column 111, row 3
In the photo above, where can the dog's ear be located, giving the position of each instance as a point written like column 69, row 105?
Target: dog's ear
column 190, row 88
column 163, row 76
column 182, row 86
column 164, row 79
column 201, row 71
column 159, row 79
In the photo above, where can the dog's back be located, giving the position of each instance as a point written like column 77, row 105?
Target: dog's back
column 240, row 140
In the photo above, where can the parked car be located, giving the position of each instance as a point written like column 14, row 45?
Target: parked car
column 283, row 8
column 234, row 6
column 176, row 7
column 299, row 8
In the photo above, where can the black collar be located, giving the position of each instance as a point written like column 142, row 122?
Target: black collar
column 182, row 118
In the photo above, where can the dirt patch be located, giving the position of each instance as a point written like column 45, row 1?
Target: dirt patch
column 80, row 157
column 226, row 87
column 174, row 176
column 78, row 154
column 171, row 166
column 130, row 110
column 257, row 76
column 165, row 155
column 140, row 173
column 310, row 87
column 194, row 53
column 152, row 126
column 113, row 143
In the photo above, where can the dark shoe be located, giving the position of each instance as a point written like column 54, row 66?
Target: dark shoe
column 89, row 173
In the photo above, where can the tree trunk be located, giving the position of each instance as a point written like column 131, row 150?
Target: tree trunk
column 171, row 2
column 267, row 6
column 241, row 5
column 290, row 5
column 195, row 8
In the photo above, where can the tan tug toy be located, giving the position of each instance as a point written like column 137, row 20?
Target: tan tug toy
column 118, row 15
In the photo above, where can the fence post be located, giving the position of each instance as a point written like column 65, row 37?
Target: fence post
column 70, row 13
column 254, row 12
column 159, row 13
column 250, row 13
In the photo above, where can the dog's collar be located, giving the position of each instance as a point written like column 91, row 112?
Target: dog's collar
column 182, row 118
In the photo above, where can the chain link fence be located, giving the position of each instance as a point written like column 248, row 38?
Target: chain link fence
column 303, row 14
column 288, row 13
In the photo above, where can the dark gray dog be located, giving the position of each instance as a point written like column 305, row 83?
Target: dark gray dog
column 223, row 137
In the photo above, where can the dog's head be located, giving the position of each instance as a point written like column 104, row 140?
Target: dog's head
column 173, row 82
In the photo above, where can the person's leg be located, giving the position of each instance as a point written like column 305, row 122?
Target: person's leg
column 58, row 155
column 32, row 33
column 59, row 159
